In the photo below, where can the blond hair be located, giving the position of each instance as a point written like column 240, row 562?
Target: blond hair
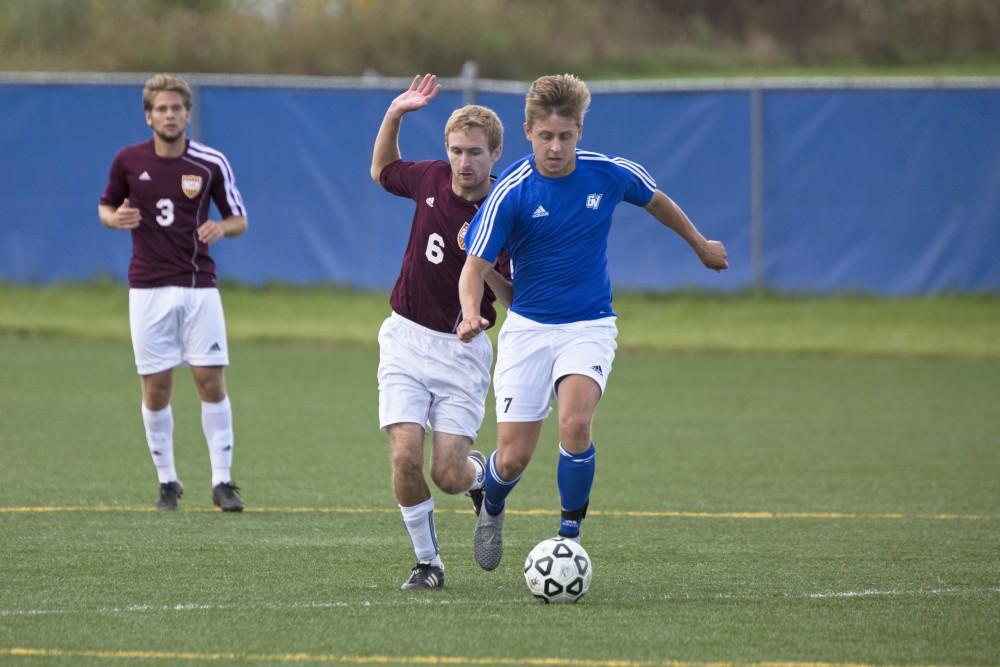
column 165, row 82
column 473, row 115
column 560, row 94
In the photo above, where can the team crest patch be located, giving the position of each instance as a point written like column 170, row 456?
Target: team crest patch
column 461, row 235
column 191, row 185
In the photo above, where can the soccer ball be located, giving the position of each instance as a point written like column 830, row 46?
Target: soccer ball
column 558, row 570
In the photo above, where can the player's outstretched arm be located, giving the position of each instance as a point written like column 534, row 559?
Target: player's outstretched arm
column 422, row 90
column 122, row 217
column 470, row 294
column 711, row 253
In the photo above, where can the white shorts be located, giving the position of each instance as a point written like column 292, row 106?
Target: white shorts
column 532, row 357
column 431, row 378
column 177, row 325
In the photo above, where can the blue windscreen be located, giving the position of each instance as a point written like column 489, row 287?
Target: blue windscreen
column 889, row 191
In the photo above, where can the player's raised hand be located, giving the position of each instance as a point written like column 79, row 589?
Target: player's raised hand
column 422, row 90
column 126, row 216
column 714, row 256
column 469, row 328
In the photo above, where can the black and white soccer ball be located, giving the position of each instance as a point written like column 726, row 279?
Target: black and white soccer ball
column 558, row 570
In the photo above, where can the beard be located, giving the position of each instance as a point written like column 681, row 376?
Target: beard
column 170, row 138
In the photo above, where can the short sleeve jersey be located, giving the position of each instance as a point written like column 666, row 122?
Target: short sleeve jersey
column 173, row 196
column 556, row 233
column 426, row 291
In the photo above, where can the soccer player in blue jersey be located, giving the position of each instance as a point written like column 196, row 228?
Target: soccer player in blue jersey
column 551, row 211
column 426, row 376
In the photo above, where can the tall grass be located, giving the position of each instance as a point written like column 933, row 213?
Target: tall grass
column 515, row 39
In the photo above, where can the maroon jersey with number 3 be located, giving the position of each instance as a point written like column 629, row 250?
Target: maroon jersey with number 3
column 173, row 196
column 426, row 291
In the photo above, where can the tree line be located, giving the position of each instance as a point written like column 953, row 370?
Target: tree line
column 509, row 39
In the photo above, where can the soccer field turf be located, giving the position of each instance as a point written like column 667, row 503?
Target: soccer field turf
column 747, row 508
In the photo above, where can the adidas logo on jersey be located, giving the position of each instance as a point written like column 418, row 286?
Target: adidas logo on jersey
column 144, row 176
column 215, row 348
column 430, row 201
column 600, row 371
column 540, row 212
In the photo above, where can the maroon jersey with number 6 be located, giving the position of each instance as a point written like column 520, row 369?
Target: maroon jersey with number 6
column 173, row 196
column 426, row 291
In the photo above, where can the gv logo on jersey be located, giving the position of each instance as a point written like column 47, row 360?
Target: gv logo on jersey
column 461, row 235
column 191, row 185
column 594, row 200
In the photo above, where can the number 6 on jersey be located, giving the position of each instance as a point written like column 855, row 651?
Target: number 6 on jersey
column 435, row 249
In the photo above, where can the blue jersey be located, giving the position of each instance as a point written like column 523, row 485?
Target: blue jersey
column 556, row 233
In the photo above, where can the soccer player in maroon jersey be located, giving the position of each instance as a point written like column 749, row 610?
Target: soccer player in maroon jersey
column 426, row 375
column 161, row 191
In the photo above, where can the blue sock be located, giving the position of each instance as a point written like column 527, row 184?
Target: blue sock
column 575, row 476
column 495, row 489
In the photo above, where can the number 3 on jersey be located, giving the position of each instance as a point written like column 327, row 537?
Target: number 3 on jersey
column 166, row 216
column 435, row 249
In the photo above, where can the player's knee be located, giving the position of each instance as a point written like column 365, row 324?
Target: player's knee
column 448, row 478
column 510, row 466
column 212, row 392
column 574, row 431
column 156, row 401
column 407, row 462
column 407, row 470
column 156, row 396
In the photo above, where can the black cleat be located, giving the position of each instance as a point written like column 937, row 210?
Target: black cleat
column 169, row 494
column 477, row 494
column 424, row 576
column 226, row 497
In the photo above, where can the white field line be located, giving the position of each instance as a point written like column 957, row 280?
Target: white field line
column 412, row 601
column 635, row 514
column 871, row 592
column 826, row 595
column 198, row 606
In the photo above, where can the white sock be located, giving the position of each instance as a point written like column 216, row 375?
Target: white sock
column 160, row 439
column 419, row 522
column 480, row 477
column 217, row 424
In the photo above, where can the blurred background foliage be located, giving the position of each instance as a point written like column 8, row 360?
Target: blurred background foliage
column 509, row 39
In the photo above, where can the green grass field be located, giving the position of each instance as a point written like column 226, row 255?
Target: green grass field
column 818, row 482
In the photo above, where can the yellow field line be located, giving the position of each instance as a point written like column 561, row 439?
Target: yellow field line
column 20, row 652
column 635, row 514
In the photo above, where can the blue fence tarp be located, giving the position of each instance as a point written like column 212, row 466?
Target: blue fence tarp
column 888, row 191
column 892, row 191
